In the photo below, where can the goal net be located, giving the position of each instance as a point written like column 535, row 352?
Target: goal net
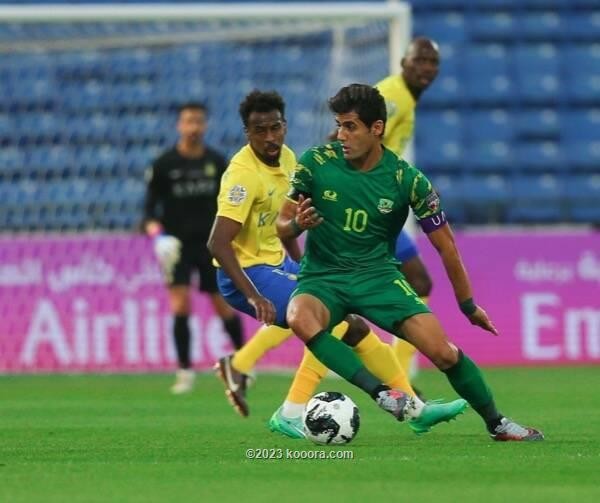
column 89, row 99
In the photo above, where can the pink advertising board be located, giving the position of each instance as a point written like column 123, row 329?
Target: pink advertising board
column 96, row 303
column 541, row 290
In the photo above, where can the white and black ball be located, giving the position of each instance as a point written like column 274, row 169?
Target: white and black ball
column 331, row 417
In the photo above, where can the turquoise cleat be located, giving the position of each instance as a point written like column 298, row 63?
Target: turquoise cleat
column 436, row 412
column 292, row 428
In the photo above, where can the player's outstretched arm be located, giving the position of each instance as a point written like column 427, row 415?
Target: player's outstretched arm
column 223, row 232
column 443, row 241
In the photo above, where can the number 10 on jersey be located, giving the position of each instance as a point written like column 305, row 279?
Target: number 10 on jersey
column 356, row 220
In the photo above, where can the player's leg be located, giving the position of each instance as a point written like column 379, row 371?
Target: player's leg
column 377, row 357
column 208, row 284
column 276, row 284
column 312, row 309
column 180, row 303
column 178, row 281
column 395, row 299
column 427, row 335
column 416, row 274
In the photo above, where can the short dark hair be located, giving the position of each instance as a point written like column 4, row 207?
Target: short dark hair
column 192, row 105
column 363, row 99
column 261, row 101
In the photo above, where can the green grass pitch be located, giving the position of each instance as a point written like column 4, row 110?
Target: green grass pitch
column 125, row 439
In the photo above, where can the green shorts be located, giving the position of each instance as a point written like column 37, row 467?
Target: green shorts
column 382, row 296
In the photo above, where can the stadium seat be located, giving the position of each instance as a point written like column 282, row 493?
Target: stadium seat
column 583, row 26
column 583, row 195
column 487, row 198
column 537, row 74
column 489, row 126
column 545, row 157
column 447, row 26
column 537, row 124
column 580, row 124
column 583, row 155
column 537, row 199
column 488, row 80
column 493, row 26
column 542, row 25
column 489, row 156
column 583, row 85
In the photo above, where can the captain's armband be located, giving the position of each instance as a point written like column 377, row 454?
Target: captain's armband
column 433, row 222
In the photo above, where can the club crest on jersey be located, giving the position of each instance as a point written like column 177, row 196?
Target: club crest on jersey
column 330, row 195
column 237, row 195
column 385, row 206
column 432, row 201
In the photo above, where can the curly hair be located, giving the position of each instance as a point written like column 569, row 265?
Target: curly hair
column 261, row 101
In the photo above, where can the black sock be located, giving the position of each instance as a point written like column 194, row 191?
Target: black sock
column 233, row 326
column 181, row 333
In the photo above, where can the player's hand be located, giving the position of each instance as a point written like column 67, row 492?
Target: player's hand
column 265, row 310
column 480, row 318
column 168, row 251
column 306, row 214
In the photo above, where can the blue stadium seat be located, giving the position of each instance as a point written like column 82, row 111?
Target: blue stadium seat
column 488, row 198
column 583, row 85
column 489, row 126
column 493, row 26
column 537, row 124
column 537, row 74
column 495, row 156
column 447, row 26
column 535, row 156
column 544, row 25
column 580, row 124
column 583, row 26
column 537, row 199
column 488, row 80
column 583, row 194
column 11, row 159
column 583, row 155
column 439, row 139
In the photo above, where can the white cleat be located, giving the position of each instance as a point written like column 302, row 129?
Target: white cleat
column 184, row 382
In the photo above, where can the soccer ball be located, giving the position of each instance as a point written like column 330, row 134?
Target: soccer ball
column 331, row 418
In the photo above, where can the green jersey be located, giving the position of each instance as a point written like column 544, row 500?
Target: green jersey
column 363, row 211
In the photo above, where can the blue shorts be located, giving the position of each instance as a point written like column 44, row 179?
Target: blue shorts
column 276, row 283
column 406, row 248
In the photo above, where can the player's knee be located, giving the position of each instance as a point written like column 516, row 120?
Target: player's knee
column 444, row 356
column 357, row 330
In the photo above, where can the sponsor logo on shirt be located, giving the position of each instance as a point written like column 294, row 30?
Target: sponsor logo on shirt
column 237, row 195
column 385, row 206
column 330, row 195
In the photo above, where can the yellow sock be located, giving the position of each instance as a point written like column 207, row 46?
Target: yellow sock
column 381, row 361
column 310, row 372
column 267, row 337
column 405, row 351
column 307, row 378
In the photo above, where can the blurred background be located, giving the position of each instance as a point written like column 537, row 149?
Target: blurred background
column 509, row 133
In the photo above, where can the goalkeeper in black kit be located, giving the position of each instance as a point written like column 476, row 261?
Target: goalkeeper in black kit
column 181, row 203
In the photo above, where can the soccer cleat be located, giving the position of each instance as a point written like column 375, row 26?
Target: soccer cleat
column 292, row 428
column 184, row 382
column 434, row 413
column 235, row 385
column 509, row 431
column 395, row 402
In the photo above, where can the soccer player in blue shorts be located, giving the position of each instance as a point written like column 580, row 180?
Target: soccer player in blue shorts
column 257, row 277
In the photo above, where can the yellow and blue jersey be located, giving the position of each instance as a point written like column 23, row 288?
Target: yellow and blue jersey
column 400, row 105
column 252, row 194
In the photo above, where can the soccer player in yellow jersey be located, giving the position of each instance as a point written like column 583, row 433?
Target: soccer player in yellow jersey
column 420, row 66
column 257, row 277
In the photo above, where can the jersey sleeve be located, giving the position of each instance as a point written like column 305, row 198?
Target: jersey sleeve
column 423, row 200
column 302, row 178
column 239, row 189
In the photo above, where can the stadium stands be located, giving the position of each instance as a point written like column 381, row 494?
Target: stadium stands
column 509, row 131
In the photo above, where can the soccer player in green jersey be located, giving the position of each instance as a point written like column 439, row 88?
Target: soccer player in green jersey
column 353, row 197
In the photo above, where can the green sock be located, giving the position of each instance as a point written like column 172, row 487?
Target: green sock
column 467, row 380
column 340, row 358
